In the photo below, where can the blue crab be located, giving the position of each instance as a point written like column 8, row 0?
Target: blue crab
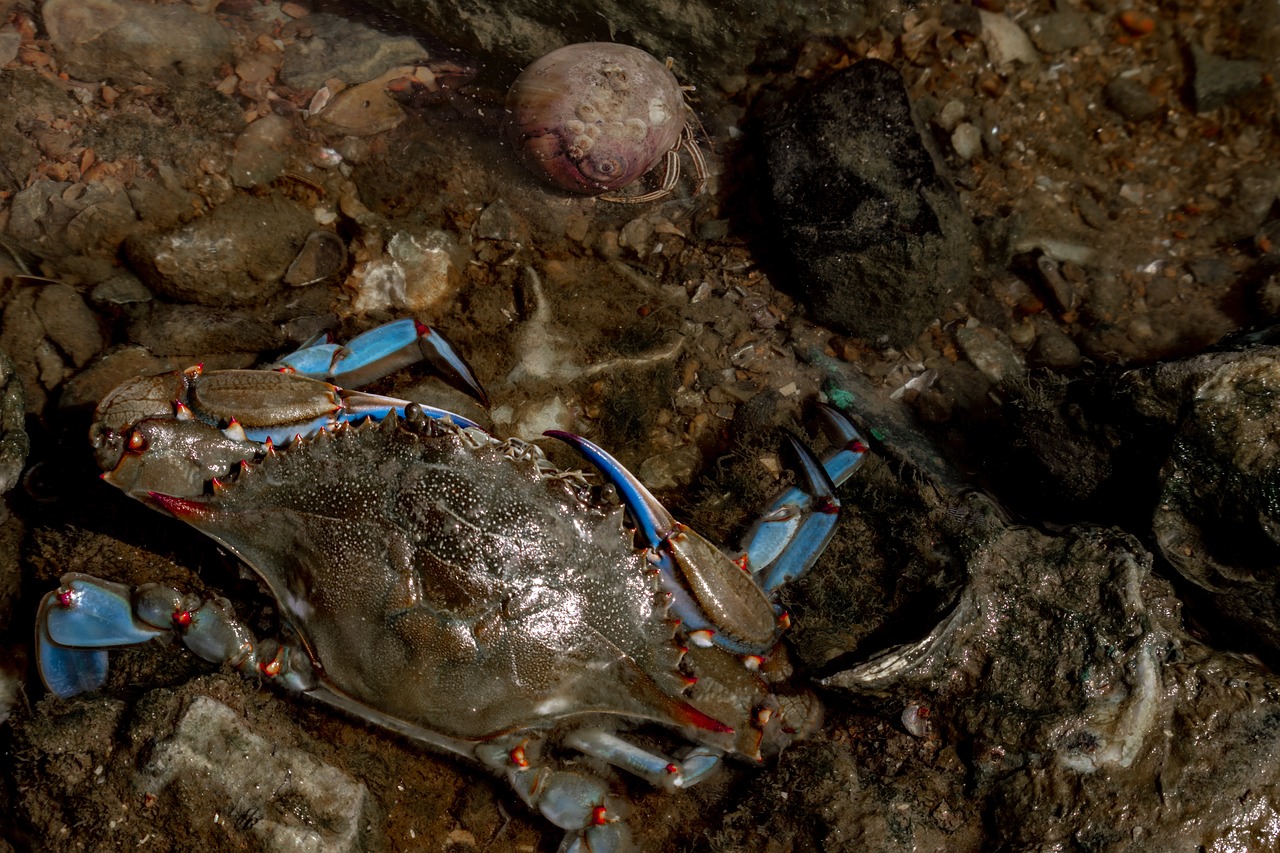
column 450, row 586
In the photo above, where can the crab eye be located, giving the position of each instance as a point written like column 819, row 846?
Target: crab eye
column 137, row 441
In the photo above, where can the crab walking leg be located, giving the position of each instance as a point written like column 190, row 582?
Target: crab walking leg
column 78, row 622
column 788, row 537
column 380, row 352
column 577, row 803
column 657, row 770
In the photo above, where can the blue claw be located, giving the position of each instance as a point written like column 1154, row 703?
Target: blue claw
column 850, row 449
column 651, row 518
column 93, row 614
column 787, row 539
column 69, row 672
column 808, row 529
column 313, row 359
column 74, row 628
column 382, row 351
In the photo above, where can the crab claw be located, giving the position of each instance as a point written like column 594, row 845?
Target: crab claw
column 382, row 351
column 75, row 626
column 279, row 405
column 788, row 537
column 709, row 590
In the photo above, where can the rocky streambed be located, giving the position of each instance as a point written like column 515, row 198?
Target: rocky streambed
column 1030, row 247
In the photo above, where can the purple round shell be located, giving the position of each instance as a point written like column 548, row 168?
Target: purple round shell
column 593, row 117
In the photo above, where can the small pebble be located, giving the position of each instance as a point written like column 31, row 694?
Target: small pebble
column 1060, row 31
column 967, row 141
column 951, row 115
column 1131, row 99
column 1006, row 42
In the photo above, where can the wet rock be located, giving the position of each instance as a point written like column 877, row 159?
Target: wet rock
column 14, row 443
column 966, row 141
column 59, row 218
column 328, row 47
column 69, row 323
column 1254, row 191
column 674, row 469
column 261, row 151
column 1216, row 80
column 877, row 237
column 131, row 42
column 195, row 330
column 285, row 797
column 499, row 222
column 39, row 364
column 1210, row 270
column 1061, row 717
column 990, row 352
column 1053, row 348
column 234, row 255
column 1217, row 521
column 1132, row 100
column 120, row 290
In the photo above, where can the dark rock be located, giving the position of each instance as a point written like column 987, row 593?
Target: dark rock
column 122, row 289
column 1132, row 100
column 1216, row 80
column 712, row 40
column 963, row 18
column 14, row 442
column 260, row 154
column 1217, row 521
column 1210, row 270
column 235, row 255
column 878, row 239
column 1255, row 189
column 38, row 365
column 23, row 98
column 1053, row 348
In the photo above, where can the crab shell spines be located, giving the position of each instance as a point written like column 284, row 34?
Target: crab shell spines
column 594, row 117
